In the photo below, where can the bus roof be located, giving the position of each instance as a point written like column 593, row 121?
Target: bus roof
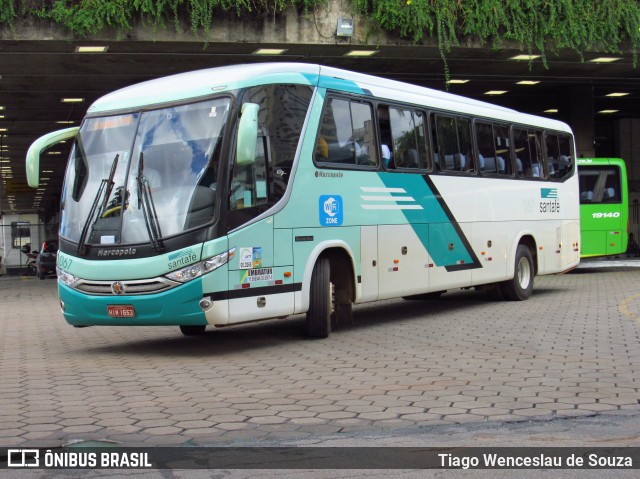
column 203, row 83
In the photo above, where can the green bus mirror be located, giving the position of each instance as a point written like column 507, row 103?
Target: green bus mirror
column 38, row 146
column 247, row 134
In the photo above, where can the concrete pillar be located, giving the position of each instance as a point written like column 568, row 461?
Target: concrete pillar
column 627, row 146
column 581, row 120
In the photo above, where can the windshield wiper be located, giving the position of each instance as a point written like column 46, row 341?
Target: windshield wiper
column 145, row 202
column 105, row 184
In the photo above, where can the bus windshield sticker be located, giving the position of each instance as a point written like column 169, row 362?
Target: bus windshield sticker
column 331, row 211
column 254, row 275
column 250, row 257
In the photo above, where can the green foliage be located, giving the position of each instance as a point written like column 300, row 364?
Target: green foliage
column 536, row 25
column 89, row 16
column 85, row 17
column 7, row 11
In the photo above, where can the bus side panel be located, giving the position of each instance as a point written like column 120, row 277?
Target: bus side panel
column 403, row 260
column 258, row 289
column 591, row 242
column 215, row 286
column 449, row 267
column 570, row 251
column 557, row 245
column 603, row 230
column 490, row 244
column 369, row 259
column 546, row 243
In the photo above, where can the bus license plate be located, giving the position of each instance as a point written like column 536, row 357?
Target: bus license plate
column 121, row 311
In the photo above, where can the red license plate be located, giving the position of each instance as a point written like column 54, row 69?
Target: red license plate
column 121, row 311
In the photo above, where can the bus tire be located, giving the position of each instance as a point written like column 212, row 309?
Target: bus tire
column 519, row 288
column 193, row 330
column 319, row 313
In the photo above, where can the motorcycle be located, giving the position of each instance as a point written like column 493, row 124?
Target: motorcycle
column 32, row 257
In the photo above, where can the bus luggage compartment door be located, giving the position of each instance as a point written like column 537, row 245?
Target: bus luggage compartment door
column 403, row 260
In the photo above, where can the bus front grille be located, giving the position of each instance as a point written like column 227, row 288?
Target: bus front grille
column 121, row 288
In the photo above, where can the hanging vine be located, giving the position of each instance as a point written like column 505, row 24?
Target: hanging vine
column 536, row 25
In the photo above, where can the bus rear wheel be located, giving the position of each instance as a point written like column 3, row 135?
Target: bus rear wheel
column 192, row 330
column 320, row 300
column 520, row 287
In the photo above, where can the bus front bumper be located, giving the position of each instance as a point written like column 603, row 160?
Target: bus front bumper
column 176, row 307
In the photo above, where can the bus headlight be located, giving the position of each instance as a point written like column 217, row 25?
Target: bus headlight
column 196, row 270
column 65, row 278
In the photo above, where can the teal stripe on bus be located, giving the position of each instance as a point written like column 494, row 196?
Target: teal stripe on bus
column 447, row 235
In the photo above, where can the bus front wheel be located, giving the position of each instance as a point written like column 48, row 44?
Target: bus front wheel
column 320, row 301
column 520, row 286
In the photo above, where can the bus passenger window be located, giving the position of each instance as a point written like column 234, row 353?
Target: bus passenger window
column 486, row 152
column 466, row 149
column 503, row 149
column 453, row 144
column 407, row 131
column 565, row 161
column 346, row 135
column 386, row 138
column 420, row 121
column 559, row 155
column 526, row 147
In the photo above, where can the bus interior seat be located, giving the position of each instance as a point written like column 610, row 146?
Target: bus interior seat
column 519, row 168
column 449, row 162
column 489, row 164
column 608, row 193
column 586, row 196
column 480, row 162
column 459, row 161
column 535, row 170
column 501, row 164
column 550, row 162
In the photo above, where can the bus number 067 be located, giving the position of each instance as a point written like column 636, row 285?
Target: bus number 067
column 615, row 214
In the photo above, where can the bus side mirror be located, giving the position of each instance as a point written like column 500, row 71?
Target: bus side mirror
column 41, row 144
column 247, row 134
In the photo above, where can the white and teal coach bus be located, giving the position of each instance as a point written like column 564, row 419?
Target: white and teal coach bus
column 248, row 192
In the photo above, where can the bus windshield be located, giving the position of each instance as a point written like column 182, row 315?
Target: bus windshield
column 140, row 177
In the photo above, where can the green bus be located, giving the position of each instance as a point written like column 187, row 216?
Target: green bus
column 604, row 206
